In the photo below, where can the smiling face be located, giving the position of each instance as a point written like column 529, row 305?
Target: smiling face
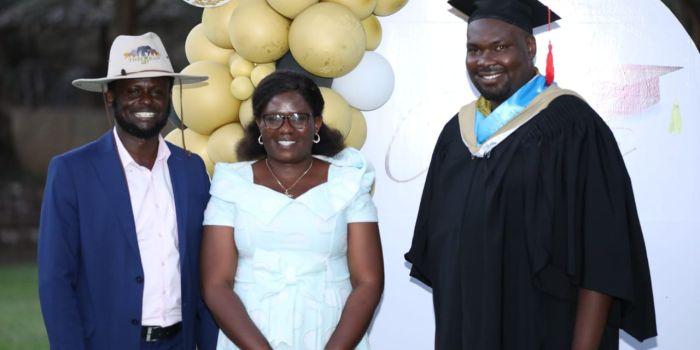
column 140, row 105
column 499, row 58
column 287, row 143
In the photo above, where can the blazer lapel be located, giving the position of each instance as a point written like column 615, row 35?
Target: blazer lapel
column 111, row 175
column 178, row 178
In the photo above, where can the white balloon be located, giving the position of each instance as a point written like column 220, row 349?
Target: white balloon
column 369, row 85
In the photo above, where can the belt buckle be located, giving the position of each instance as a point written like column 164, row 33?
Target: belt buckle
column 148, row 335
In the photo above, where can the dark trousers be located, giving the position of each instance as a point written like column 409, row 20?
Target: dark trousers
column 174, row 343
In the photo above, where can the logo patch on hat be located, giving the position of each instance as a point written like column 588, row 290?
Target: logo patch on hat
column 143, row 54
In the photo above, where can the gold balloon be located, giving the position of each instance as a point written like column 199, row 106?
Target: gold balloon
column 223, row 142
column 260, row 72
column 215, row 21
column 358, row 132
column 195, row 143
column 327, row 40
column 207, row 105
column 239, row 66
column 336, row 112
column 373, row 32
column 257, row 32
column 361, row 8
column 245, row 113
column 199, row 48
column 388, row 7
column 242, row 88
column 290, row 8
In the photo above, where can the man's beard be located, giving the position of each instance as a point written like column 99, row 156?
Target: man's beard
column 499, row 95
column 494, row 94
column 134, row 130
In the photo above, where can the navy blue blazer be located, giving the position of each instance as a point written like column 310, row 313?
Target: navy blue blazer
column 90, row 273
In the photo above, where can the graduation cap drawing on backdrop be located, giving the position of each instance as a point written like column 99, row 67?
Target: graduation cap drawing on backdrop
column 525, row 14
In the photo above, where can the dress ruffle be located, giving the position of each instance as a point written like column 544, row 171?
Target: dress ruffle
column 349, row 176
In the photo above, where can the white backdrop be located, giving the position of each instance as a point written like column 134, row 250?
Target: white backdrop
column 638, row 68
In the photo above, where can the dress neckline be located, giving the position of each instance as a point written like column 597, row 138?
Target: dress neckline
column 249, row 168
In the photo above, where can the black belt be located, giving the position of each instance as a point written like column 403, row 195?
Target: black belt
column 157, row 333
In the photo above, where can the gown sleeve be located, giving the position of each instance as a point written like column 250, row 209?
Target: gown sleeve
column 418, row 254
column 584, row 227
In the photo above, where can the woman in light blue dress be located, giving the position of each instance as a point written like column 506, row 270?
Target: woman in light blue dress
column 291, row 256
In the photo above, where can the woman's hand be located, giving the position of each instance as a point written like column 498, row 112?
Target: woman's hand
column 367, row 277
column 219, row 258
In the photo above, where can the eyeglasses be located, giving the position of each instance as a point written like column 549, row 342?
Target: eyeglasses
column 298, row 121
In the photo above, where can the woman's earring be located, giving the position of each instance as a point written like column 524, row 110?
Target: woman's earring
column 260, row 139
column 317, row 137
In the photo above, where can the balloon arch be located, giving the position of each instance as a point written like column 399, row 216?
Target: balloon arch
column 240, row 42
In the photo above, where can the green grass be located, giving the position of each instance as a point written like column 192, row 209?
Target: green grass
column 21, row 325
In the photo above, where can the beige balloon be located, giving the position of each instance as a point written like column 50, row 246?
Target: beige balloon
column 260, row 72
column 373, row 32
column 388, row 7
column 215, row 21
column 290, row 8
column 336, row 112
column 327, row 40
column 207, row 105
column 361, row 8
column 223, row 142
column 239, row 66
column 242, row 88
column 358, row 132
column 196, row 143
column 245, row 113
column 199, row 48
column 258, row 33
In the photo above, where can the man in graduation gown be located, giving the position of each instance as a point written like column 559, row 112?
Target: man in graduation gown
column 527, row 230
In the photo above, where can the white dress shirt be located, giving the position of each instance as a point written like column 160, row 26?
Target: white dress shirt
column 153, row 205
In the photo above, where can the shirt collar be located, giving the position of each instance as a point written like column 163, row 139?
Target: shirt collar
column 127, row 159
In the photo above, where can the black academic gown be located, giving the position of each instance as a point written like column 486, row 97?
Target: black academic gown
column 506, row 240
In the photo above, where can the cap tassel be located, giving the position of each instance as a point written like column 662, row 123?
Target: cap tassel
column 549, row 70
column 549, row 76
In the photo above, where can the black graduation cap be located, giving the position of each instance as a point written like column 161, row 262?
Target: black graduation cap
column 526, row 14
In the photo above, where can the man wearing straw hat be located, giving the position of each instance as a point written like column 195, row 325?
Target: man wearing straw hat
column 121, row 220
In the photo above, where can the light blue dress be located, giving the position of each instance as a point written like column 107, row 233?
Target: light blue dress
column 292, row 271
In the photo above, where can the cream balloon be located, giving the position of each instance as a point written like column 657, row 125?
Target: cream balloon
column 199, row 48
column 358, row 132
column 361, row 8
column 242, row 88
column 215, row 21
column 194, row 142
column 207, row 105
column 336, row 112
column 327, row 40
column 223, row 142
column 388, row 7
column 290, row 8
column 239, row 66
column 258, row 33
column 245, row 113
column 373, row 32
column 369, row 85
column 260, row 72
